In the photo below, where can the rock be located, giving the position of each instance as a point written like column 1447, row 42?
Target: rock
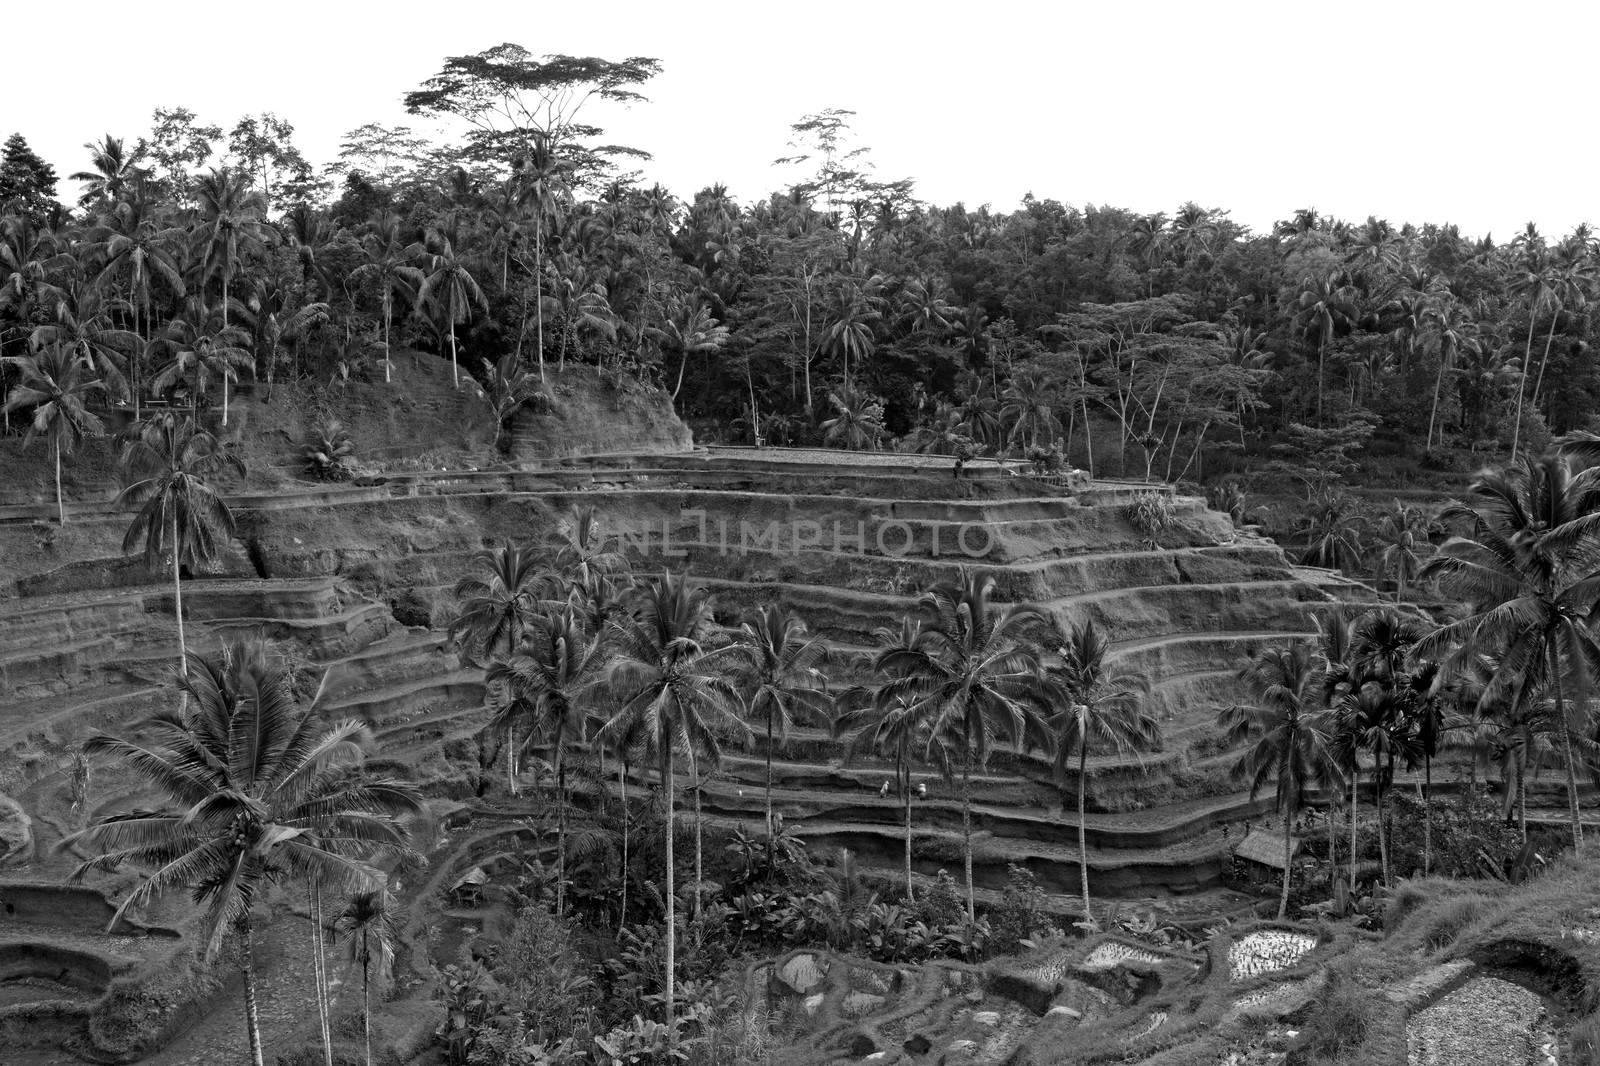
column 16, row 833
column 961, row 1051
column 989, row 1019
column 801, row 973
column 862, row 1046
column 975, row 996
column 813, row 1004
column 1064, row 1012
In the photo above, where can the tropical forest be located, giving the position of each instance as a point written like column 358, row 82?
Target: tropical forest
column 465, row 604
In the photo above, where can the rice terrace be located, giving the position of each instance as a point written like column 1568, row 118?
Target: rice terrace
column 467, row 603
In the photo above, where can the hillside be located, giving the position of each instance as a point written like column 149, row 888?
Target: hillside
column 351, row 582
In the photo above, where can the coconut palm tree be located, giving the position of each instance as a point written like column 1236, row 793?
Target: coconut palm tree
column 1527, row 568
column 204, row 348
column 976, row 678
column 82, row 323
column 1030, row 399
column 496, row 601
column 541, row 178
column 371, row 926
column 448, row 286
column 253, row 787
column 688, row 329
column 671, row 688
column 543, row 689
column 851, row 317
column 783, row 678
column 112, row 171
column 56, row 385
column 580, row 555
column 228, row 226
column 1401, row 537
column 1534, row 282
column 132, row 250
column 168, row 467
column 389, row 266
column 857, row 424
column 1326, row 304
column 1289, row 732
column 1099, row 709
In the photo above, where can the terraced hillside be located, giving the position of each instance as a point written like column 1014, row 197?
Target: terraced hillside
column 351, row 583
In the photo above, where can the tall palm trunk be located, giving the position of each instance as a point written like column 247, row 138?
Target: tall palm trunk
column 538, row 290
column 672, row 904
column 622, row 777
column 511, row 758
column 252, row 1017
column 561, row 828
column 1288, row 855
column 699, row 869
column 1355, row 799
column 1522, row 782
column 455, row 373
column 1083, row 836
column 1383, row 837
column 319, row 968
column 177, row 603
column 905, row 802
column 388, row 318
column 1544, row 360
column 1566, row 748
column 966, row 834
column 769, row 783
column 61, row 507
column 1522, row 382
column 366, row 998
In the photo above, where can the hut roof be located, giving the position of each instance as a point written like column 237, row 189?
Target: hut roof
column 1265, row 846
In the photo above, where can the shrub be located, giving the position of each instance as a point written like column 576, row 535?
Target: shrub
column 328, row 450
column 1345, row 1017
column 1585, row 1042
column 1020, row 912
column 1446, row 924
column 1151, row 514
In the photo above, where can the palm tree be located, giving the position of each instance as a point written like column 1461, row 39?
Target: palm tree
column 543, row 687
column 229, row 225
column 1535, row 284
column 81, row 322
column 1030, row 398
column 112, row 171
column 849, row 325
column 134, row 250
column 496, row 601
column 542, row 181
column 449, row 286
column 1452, row 332
column 202, row 347
column 1527, row 567
column 785, row 683
column 857, row 424
column 1100, row 709
column 253, row 786
column 975, row 677
column 1288, row 728
column 167, row 468
column 1326, row 304
column 370, row 923
column 671, row 690
column 1402, row 540
column 688, row 329
column 56, row 385
column 389, row 267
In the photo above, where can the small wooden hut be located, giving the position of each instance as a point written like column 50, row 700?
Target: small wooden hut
column 1260, row 853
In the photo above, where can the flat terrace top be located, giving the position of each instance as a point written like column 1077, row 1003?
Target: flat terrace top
column 838, row 457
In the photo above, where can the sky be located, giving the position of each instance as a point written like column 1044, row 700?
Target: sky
column 1459, row 112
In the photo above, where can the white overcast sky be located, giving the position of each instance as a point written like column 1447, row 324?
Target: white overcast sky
column 1476, row 114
